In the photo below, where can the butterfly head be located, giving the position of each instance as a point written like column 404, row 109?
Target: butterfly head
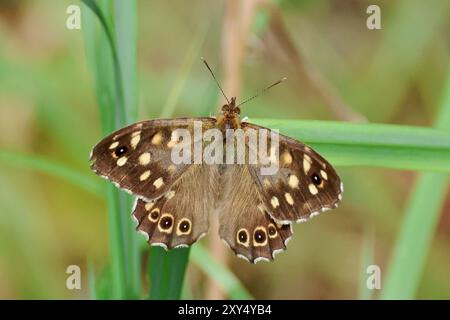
column 229, row 116
column 231, row 109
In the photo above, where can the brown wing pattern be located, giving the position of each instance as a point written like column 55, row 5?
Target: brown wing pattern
column 174, row 200
column 244, row 224
column 181, row 216
column 305, row 184
column 137, row 158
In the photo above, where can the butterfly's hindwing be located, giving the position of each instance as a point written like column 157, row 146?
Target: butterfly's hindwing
column 243, row 222
column 304, row 185
column 180, row 217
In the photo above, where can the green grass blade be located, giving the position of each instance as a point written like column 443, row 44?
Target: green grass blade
column 103, row 61
column 375, row 145
column 102, row 11
column 224, row 277
column 91, row 4
column 99, row 59
column 125, row 27
column 167, row 270
column 177, row 271
column 126, row 45
column 421, row 217
column 92, row 281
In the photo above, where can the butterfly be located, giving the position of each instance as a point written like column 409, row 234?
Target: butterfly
column 176, row 200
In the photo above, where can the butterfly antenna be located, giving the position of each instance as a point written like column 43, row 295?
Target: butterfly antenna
column 262, row 91
column 217, row 82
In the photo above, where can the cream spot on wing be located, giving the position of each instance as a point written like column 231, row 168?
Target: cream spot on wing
column 172, row 168
column 173, row 139
column 170, row 194
column 289, row 198
column 324, row 174
column 306, row 163
column 114, row 145
column 158, row 183
column 135, row 138
column 313, row 189
column 121, row 161
column 274, row 201
column 266, row 182
column 157, row 138
column 145, row 175
column 149, row 205
column 293, row 181
column 144, row 158
column 286, row 158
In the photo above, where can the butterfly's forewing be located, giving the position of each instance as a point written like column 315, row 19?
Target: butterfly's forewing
column 305, row 184
column 243, row 222
column 137, row 158
column 180, row 217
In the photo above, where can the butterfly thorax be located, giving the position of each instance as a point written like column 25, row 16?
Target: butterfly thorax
column 229, row 117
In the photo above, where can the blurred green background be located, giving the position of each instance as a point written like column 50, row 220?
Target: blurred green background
column 337, row 69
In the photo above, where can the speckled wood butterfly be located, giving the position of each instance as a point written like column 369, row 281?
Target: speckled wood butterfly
column 174, row 200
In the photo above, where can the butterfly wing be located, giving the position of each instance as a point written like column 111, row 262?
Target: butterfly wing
column 244, row 224
column 304, row 185
column 138, row 158
column 180, row 217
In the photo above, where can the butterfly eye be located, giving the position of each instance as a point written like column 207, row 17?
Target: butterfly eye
column 316, row 179
column 120, row 151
